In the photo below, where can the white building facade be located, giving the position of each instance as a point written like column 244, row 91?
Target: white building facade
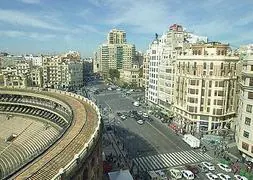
column 244, row 123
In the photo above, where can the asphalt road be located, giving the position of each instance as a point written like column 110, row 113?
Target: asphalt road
column 147, row 139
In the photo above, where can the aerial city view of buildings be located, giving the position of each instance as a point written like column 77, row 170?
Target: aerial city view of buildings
column 180, row 109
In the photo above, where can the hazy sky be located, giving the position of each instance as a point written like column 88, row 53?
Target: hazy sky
column 40, row 26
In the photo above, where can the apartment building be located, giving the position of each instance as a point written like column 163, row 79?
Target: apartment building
column 244, row 122
column 63, row 72
column 36, row 60
column 10, row 78
column 205, row 88
column 145, row 75
column 131, row 76
column 154, row 53
column 35, row 79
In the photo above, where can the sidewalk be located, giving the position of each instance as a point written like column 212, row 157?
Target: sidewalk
column 115, row 151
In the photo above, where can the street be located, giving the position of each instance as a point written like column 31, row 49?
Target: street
column 151, row 138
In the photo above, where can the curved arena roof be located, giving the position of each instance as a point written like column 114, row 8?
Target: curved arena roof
column 44, row 132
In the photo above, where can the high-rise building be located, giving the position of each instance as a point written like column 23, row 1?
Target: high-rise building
column 244, row 122
column 116, row 54
column 116, row 36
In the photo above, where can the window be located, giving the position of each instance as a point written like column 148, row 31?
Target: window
column 250, row 95
column 204, row 65
column 219, row 112
column 153, row 51
column 246, row 134
column 209, row 102
column 210, row 83
column 247, row 121
column 220, row 102
column 251, row 67
column 209, row 92
column 211, row 65
column 245, row 146
column 249, row 108
column 220, row 93
column 251, row 81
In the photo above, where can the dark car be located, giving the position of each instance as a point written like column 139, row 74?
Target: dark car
column 193, row 169
column 119, row 114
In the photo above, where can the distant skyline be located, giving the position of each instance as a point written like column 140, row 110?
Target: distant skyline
column 48, row 26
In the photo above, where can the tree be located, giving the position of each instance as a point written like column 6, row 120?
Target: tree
column 114, row 73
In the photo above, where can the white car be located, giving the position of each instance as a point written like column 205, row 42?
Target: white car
column 139, row 112
column 224, row 176
column 136, row 103
column 224, row 167
column 238, row 177
column 140, row 122
column 145, row 115
column 209, row 166
column 188, row 174
column 212, row 176
column 123, row 117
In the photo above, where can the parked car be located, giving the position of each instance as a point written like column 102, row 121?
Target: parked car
column 123, row 117
column 202, row 168
column 224, row 176
column 119, row 114
column 209, row 166
column 238, row 177
column 224, row 167
column 145, row 115
column 212, row 176
column 193, row 169
column 175, row 173
column 139, row 112
column 187, row 174
column 140, row 122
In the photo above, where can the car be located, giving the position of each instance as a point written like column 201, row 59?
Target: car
column 187, row 174
column 118, row 89
column 211, row 176
column 224, row 167
column 192, row 168
column 109, row 88
column 123, row 117
column 238, row 177
column 145, row 115
column 224, row 176
column 202, row 168
column 131, row 115
column 140, row 122
column 175, row 173
column 139, row 112
column 208, row 165
column 119, row 114
column 136, row 103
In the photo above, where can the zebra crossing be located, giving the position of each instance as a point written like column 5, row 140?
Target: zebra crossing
column 162, row 161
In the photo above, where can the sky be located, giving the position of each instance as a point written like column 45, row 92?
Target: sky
column 57, row 26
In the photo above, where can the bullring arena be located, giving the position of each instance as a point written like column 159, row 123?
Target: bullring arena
column 49, row 134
